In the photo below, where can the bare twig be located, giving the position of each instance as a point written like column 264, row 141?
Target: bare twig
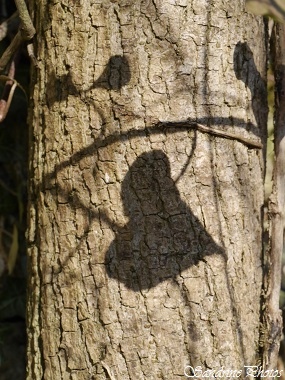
column 9, row 89
column 108, row 369
column 7, row 26
column 215, row 132
column 10, row 51
column 25, row 33
column 27, row 28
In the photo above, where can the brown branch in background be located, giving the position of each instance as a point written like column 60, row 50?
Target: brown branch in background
column 271, row 318
column 25, row 33
column 10, row 51
column 5, row 104
column 9, row 27
column 8, row 92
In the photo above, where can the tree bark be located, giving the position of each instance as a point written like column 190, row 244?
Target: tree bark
column 272, row 318
column 145, row 237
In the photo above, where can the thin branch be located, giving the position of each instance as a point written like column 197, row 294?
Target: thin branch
column 10, row 86
column 9, row 25
column 215, row 132
column 10, row 51
column 272, row 319
column 107, row 368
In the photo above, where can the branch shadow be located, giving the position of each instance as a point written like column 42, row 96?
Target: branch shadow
column 117, row 74
column 245, row 70
column 163, row 237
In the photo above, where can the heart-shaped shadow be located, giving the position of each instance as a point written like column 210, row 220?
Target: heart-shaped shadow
column 163, row 237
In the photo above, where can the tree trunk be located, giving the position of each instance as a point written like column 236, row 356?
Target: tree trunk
column 146, row 189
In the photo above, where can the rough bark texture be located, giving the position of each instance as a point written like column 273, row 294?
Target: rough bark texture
column 145, row 234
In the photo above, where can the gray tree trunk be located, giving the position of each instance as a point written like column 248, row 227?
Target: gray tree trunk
column 145, row 237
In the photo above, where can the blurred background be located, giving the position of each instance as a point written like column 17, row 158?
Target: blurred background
column 13, row 201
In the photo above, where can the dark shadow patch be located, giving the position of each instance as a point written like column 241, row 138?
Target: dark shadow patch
column 115, row 75
column 246, row 71
column 163, row 237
